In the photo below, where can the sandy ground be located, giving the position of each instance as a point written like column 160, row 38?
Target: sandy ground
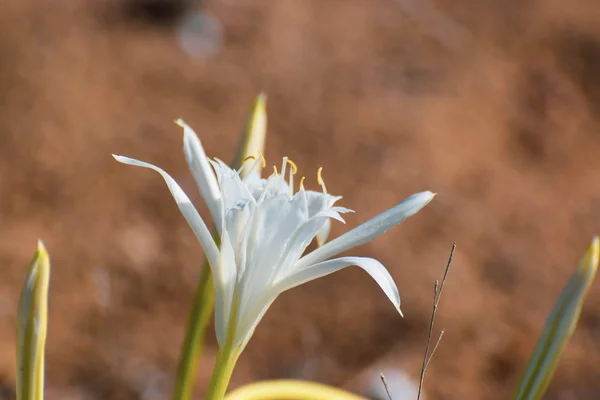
column 494, row 105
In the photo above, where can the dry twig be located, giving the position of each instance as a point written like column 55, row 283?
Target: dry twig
column 385, row 385
column 437, row 293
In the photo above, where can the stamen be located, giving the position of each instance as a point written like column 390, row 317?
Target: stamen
column 245, row 165
column 275, row 171
column 294, row 167
column 284, row 167
column 291, row 184
column 319, row 176
column 302, row 183
column 263, row 161
column 321, row 182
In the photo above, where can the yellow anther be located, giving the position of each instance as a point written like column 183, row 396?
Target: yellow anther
column 249, row 158
column 275, row 171
column 263, row 162
column 302, row 183
column 319, row 176
column 293, row 165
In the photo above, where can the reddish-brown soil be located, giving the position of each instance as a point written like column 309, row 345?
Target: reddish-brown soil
column 492, row 104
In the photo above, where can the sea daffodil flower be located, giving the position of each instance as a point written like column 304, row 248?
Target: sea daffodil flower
column 265, row 226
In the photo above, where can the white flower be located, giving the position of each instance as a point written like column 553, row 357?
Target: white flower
column 265, row 226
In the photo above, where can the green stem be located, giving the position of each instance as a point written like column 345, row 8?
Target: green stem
column 219, row 382
column 290, row 390
column 191, row 348
column 226, row 359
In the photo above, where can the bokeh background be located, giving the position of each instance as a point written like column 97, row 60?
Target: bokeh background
column 492, row 104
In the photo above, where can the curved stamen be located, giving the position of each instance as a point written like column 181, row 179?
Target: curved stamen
column 291, row 182
column 321, row 182
column 252, row 167
column 293, row 165
column 293, row 171
column 263, row 161
column 319, row 176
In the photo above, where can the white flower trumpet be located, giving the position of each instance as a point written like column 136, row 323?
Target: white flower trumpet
column 264, row 227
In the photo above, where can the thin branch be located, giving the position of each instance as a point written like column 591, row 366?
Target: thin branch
column 385, row 385
column 437, row 342
column 437, row 293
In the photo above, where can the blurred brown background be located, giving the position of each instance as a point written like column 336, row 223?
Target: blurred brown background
column 492, row 104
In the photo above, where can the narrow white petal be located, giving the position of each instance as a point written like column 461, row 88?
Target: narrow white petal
column 274, row 222
column 323, row 233
column 369, row 230
column 251, row 313
column 225, row 282
column 202, row 171
column 318, row 201
column 187, row 209
column 233, row 190
column 370, row 265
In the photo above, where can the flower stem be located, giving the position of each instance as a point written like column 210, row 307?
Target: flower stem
column 290, row 390
column 191, row 348
column 226, row 359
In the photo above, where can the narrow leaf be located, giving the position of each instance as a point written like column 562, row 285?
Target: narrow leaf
column 253, row 138
column 559, row 327
column 32, row 327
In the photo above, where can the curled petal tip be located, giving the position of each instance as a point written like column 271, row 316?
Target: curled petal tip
column 122, row 159
column 179, row 122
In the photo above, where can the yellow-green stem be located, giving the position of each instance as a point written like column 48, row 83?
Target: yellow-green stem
column 290, row 390
column 191, row 347
column 219, row 382
column 226, row 359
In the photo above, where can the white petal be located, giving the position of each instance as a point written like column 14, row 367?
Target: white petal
column 252, row 315
column 370, row 265
column 255, row 184
column 318, row 201
column 369, row 230
column 202, row 171
column 323, row 233
column 187, row 209
column 274, row 222
column 234, row 192
column 298, row 243
column 225, row 282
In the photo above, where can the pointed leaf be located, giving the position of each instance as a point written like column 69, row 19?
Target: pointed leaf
column 32, row 327
column 559, row 327
column 254, row 137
